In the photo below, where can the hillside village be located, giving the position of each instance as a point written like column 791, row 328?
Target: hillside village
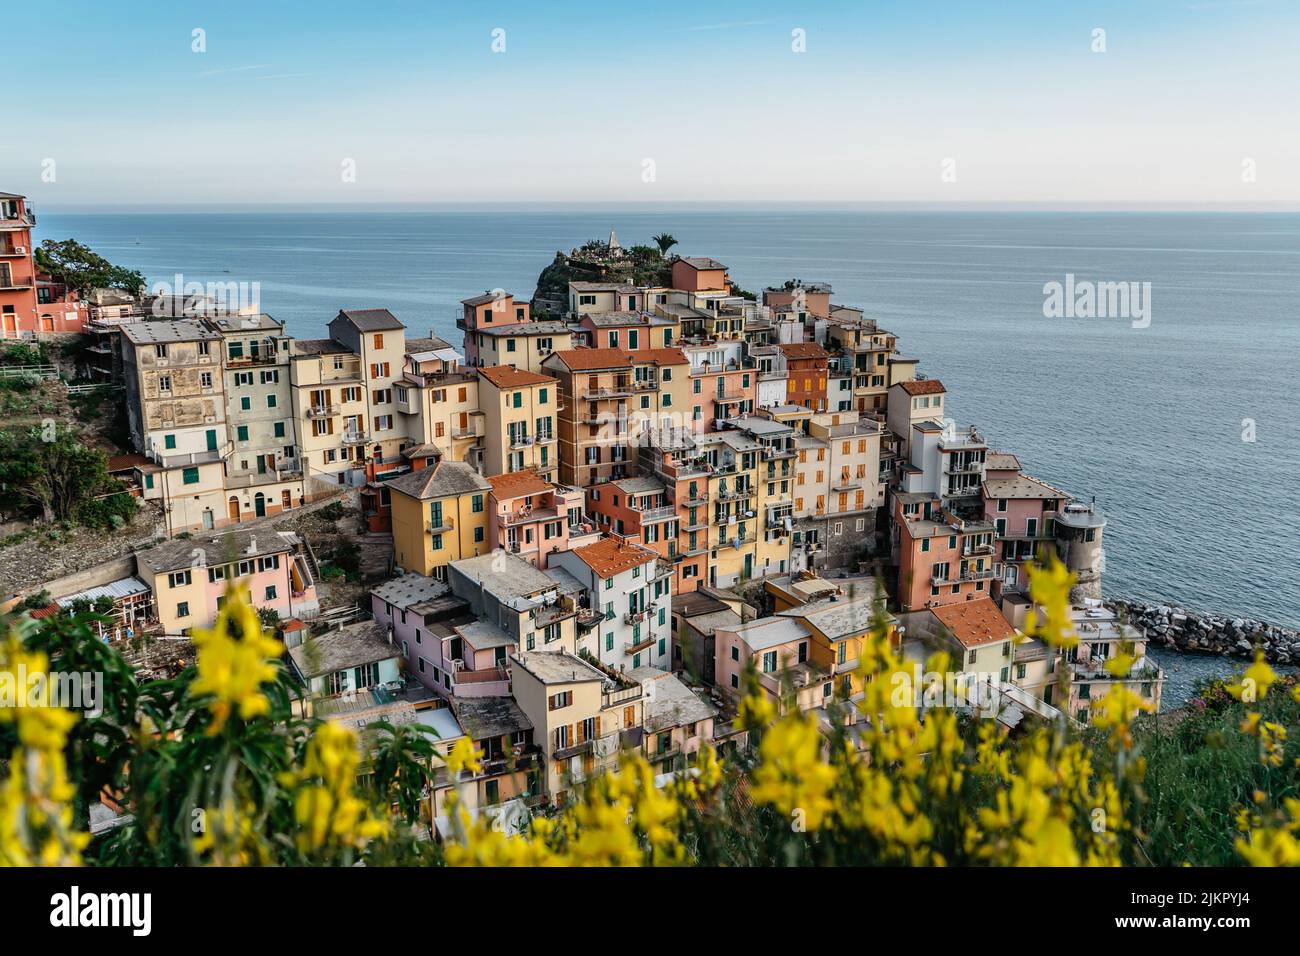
column 579, row 528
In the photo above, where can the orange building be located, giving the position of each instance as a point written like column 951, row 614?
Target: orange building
column 698, row 274
column 17, row 270
column 808, row 366
column 942, row 559
column 597, row 387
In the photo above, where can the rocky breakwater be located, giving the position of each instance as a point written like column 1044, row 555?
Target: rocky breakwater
column 1168, row 625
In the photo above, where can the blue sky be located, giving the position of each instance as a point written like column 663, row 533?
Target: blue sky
column 1186, row 96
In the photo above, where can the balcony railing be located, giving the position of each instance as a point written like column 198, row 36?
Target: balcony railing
column 444, row 524
column 662, row 513
column 322, row 411
column 604, row 394
column 521, row 441
column 355, row 438
column 482, row 675
column 523, row 516
column 634, row 617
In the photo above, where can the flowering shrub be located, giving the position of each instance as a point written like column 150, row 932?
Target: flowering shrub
column 215, row 768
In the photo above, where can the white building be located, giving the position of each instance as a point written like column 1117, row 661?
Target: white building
column 625, row 581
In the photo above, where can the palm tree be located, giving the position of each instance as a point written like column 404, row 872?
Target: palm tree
column 664, row 241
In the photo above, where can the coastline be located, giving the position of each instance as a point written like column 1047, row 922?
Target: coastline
column 1207, row 634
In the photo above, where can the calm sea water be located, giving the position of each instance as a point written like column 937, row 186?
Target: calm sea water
column 1150, row 421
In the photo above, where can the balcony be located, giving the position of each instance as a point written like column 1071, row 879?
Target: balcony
column 735, row 494
column 527, row 515
column 638, row 646
column 322, row 411
column 662, row 513
column 467, row 432
column 441, row 526
column 645, row 384
column 521, row 441
column 354, row 438
column 622, row 390
column 482, row 675
column 730, row 397
column 635, row 617
column 846, row 484
column 576, row 750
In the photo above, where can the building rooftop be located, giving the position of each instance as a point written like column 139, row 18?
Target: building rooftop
column 1020, row 487
column 485, row 298
column 669, row 703
column 211, row 550
column 371, row 320
column 483, row 635
column 484, row 717
column 260, row 322
column 507, row 577
column 558, row 667
column 641, row 485
column 769, row 632
column 319, row 347
column 1001, row 461
column 349, row 646
column 164, row 331
column 701, row 262
column 409, row 589
column 442, row 480
column 507, row 376
column 517, row 484
column 975, row 623
column 924, row 386
column 668, row 356
column 611, row 556
column 590, row 360
column 601, row 287
column 839, row 617
column 802, row 350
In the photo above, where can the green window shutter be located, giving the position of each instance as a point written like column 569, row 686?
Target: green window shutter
column 190, row 476
column 169, row 441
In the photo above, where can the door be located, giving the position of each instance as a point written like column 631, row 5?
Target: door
column 261, row 465
column 212, row 440
column 259, row 505
column 234, row 509
column 286, row 501
column 208, row 521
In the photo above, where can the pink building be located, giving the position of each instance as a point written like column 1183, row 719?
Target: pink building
column 1023, row 511
column 531, row 517
column 445, row 647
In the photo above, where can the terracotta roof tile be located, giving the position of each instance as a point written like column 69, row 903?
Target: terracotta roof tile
column 925, row 386
column 611, row 556
column 517, row 484
column 975, row 623
column 507, row 376
column 586, row 360
column 668, row 356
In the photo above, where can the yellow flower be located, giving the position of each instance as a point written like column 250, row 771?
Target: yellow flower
column 464, row 756
column 791, row 774
column 1255, row 682
column 328, row 811
column 234, row 661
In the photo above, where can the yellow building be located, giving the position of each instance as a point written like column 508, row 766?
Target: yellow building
column 440, row 515
column 438, row 397
column 519, row 412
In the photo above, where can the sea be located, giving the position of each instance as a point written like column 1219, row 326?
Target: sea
column 1184, row 424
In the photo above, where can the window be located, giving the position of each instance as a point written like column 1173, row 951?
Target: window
column 279, row 429
column 242, row 432
column 183, row 609
column 379, row 341
column 476, row 504
column 245, row 403
column 478, row 535
column 609, row 640
column 971, row 659
column 560, row 700
column 169, row 441
column 270, row 592
column 735, row 652
column 190, row 476
column 270, row 401
column 609, row 584
column 178, row 579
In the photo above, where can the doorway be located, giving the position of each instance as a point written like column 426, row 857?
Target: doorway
column 259, row 505
column 234, row 509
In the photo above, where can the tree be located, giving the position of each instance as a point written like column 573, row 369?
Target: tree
column 80, row 268
column 51, row 468
column 664, row 241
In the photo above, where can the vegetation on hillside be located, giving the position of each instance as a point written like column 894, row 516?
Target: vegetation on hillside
column 46, row 471
column 215, row 769
column 80, row 268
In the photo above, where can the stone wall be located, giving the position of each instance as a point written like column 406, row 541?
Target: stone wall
column 1171, row 626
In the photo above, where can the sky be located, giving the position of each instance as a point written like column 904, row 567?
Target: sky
column 1183, row 104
